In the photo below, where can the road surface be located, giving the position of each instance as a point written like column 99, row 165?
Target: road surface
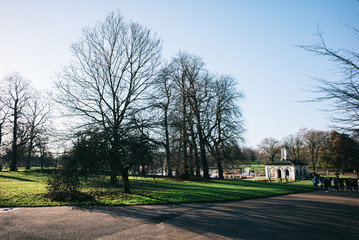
column 333, row 215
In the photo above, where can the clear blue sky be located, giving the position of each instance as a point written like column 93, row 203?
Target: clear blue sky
column 254, row 41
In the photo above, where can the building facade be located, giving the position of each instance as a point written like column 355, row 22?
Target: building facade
column 285, row 168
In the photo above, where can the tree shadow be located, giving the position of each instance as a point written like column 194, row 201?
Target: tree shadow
column 17, row 178
column 295, row 216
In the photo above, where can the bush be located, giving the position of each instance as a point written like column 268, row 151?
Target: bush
column 65, row 182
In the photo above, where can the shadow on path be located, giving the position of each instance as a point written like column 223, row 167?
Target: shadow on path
column 332, row 215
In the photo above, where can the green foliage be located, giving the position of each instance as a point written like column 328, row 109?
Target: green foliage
column 90, row 152
column 341, row 152
column 65, row 183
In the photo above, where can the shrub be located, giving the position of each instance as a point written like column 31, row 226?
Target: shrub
column 65, row 182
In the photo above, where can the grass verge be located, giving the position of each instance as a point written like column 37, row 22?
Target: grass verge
column 20, row 189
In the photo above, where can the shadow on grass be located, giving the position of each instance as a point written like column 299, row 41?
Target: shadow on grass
column 216, row 190
column 17, row 178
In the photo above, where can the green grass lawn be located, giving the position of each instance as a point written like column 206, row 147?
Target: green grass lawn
column 257, row 164
column 19, row 189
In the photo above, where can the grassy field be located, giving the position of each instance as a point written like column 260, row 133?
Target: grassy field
column 257, row 164
column 19, row 189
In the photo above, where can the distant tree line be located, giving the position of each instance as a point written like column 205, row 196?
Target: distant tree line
column 317, row 148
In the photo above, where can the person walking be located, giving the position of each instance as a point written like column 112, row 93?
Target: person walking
column 326, row 184
column 329, row 183
column 341, row 184
column 355, row 184
column 336, row 184
column 315, row 183
column 320, row 184
column 348, row 184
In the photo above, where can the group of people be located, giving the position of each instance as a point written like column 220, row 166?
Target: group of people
column 339, row 184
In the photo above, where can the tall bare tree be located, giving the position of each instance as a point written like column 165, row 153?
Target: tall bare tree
column 195, row 161
column 163, row 99
column 295, row 144
column 225, row 125
column 198, row 80
column 37, row 117
column 343, row 94
column 3, row 118
column 269, row 149
column 115, row 62
column 16, row 95
column 182, row 86
column 189, row 76
column 314, row 142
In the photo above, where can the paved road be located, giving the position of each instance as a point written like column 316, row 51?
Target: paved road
column 333, row 215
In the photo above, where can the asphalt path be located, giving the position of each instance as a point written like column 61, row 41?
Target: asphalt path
column 333, row 215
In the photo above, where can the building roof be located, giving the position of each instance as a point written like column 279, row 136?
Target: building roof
column 286, row 163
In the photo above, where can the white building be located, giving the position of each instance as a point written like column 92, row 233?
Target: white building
column 285, row 167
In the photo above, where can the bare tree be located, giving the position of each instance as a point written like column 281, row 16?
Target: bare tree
column 16, row 94
column 3, row 118
column 37, row 117
column 115, row 62
column 195, row 161
column 204, row 112
column 3, row 122
column 182, row 85
column 225, row 126
column 295, row 144
column 314, row 141
column 163, row 98
column 190, row 78
column 343, row 94
column 198, row 80
column 269, row 149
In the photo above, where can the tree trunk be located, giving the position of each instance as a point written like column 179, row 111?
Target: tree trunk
column 202, row 149
column 125, row 181
column 220, row 169
column 313, row 164
column 143, row 170
column 185, row 170
column 196, row 158
column 113, row 170
column 0, row 134
column 114, row 165
column 28, row 160
column 14, row 156
column 113, row 179
column 218, row 155
column 167, row 145
column 191, row 159
column 185, row 173
column 42, row 162
column 194, row 149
